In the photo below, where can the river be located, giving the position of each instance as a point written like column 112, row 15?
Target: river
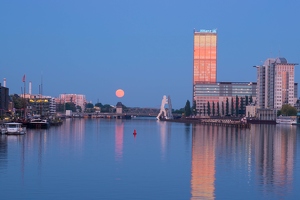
column 102, row 159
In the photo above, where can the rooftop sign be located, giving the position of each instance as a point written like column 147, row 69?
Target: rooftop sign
column 208, row 31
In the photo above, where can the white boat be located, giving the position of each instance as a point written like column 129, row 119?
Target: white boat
column 13, row 128
column 292, row 120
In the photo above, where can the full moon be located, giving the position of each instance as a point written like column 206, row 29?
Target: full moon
column 120, row 93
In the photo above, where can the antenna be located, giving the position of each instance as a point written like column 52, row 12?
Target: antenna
column 41, row 83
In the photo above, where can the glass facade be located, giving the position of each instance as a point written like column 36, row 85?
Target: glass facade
column 205, row 56
column 220, row 92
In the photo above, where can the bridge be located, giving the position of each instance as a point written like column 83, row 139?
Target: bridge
column 127, row 113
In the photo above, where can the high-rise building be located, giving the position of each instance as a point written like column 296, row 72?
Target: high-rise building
column 4, row 99
column 275, row 84
column 205, row 61
column 205, row 56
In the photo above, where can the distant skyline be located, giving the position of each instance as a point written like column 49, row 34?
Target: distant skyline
column 143, row 47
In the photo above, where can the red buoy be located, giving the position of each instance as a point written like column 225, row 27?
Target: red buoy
column 134, row 132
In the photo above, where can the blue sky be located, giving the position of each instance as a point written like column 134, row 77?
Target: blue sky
column 143, row 47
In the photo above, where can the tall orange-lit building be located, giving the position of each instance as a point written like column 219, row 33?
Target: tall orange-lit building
column 205, row 56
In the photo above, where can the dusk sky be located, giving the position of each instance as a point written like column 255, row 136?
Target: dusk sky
column 95, row 47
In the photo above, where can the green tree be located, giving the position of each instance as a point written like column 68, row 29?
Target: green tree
column 79, row 108
column 187, row 109
column 89, row 105
column 218, row 109
column 194, row 108
column 17, row 101
column 250, row 99
column 288, row 110
column 242, row 106
column 106, row 108
column 236, row 106
column 71, row 106
column 232, row 106
column 204, row 110
column 247, row 101
column 99, row 105
column 223, row 108
column 227, row 107
column 208, row 108
column 213, row 109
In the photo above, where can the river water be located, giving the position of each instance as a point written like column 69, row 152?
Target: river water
column 102, row 159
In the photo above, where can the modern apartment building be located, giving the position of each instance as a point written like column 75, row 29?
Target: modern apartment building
column 77, row 99
column 275, row 84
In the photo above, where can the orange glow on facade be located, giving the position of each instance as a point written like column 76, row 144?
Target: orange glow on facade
column 205, row 56
column 120, row 93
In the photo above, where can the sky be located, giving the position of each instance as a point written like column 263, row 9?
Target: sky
column 95, row 47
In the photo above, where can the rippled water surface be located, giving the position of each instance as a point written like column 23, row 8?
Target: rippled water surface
column 101, row 159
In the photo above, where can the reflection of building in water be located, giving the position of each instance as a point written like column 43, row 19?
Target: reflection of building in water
column 73, row 133
column 203, row 162
column 3, row 151
column 119, row 132
column 274, row 153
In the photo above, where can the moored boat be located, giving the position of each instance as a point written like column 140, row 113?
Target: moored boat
column 38, row 123
column 13, row 128
column 292, row 120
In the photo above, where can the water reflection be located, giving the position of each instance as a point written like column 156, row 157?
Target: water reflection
column 3, row 152
column 275, row 148
column 265, row 154
column 203, row 162
column 119, row 132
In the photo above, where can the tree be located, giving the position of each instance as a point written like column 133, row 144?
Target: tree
column 204, row 110
column 232, row 107
column 227, row 107
column 213, row 109
column 247, row 101
column 194, row 110
column 187, row 109
column 79, row 108
column 18, row 101
column 242, row 105
column 208, row 108
column 288, row 110
column 236, row 106
column 99, row 105
column 222, row 108
column 106, row 108
column 71, row 106
column 89, row 105
column 250, row 99
column 218, row 108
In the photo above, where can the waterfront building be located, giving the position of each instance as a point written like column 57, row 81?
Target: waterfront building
column 205, row 56
column 40, row 105
column 4, row 100
column 275, row 84
column 77, row 99
column 224, row 98
column 119, row 108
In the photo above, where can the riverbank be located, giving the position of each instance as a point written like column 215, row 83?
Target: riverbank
column 233, row 122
